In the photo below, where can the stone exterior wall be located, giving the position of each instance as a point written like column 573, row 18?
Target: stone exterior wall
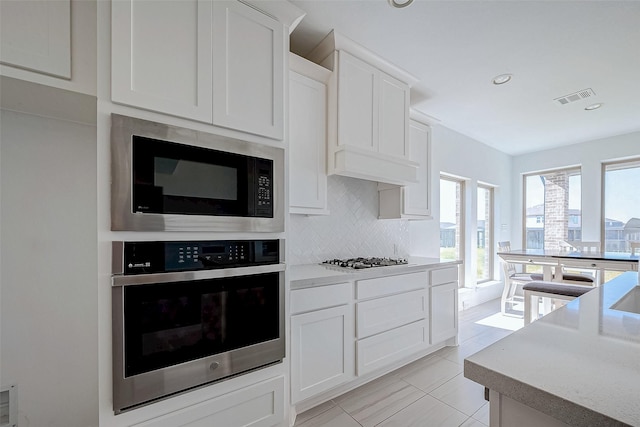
column 556, row 209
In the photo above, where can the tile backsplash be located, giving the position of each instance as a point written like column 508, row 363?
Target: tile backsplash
column 351, row 230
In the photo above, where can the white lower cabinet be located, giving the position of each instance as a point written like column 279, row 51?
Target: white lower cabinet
column 444, row 304
column 260, row 405
column 397, row 318
column 322, row 343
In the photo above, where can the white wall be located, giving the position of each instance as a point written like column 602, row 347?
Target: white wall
column 590, row 156
column 49, row 255
column 461, row 156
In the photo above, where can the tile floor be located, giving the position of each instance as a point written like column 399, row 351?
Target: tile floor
column 429, row 392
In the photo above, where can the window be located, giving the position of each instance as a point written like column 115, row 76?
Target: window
column 485, row 234
column 621, row 199
column 552, row 208
column 451, row 215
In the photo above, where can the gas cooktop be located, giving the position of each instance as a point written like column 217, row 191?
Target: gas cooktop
column 359, row 263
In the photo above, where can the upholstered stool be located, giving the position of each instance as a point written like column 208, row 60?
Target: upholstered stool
column 554, row 290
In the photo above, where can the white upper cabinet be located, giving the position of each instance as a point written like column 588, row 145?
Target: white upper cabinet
column 219, row 62
column 307, row 137
column 412, row 201
column 162, row 56
column 248, row 70
column 52, row 43
column 36, row 35
column 368, row 113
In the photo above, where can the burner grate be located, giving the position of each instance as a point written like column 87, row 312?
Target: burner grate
column 360, row 263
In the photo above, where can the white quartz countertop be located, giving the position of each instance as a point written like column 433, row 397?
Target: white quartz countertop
column 579, row 364
column 309, row 275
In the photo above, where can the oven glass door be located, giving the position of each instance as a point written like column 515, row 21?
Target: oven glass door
column 170, row 323
column 171, row 178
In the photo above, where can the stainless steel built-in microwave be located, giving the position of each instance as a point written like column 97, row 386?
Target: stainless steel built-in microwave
column 166, row 178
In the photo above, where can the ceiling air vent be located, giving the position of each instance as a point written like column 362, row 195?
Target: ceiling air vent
column 577, row 96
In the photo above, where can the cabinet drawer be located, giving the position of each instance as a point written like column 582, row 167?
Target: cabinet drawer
column 382, row 314
column 371, row 288
column 260, row 405
column 380, row 350
column 310, row 299
column 444, row 275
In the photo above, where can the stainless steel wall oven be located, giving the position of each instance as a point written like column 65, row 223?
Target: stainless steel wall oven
column 186, row 314
column 166, row 178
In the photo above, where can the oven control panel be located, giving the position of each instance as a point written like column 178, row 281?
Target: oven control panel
column 159, row 257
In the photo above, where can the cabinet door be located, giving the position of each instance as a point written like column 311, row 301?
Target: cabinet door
column 161, row 56
column 417, row 196
column 357, row 103
column 248, row 70
column 393, row 117
column 322, row 351
column 36, row 35
column 444, row 312
column 307, row 145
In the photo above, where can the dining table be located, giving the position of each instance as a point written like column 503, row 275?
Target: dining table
column 554, row 261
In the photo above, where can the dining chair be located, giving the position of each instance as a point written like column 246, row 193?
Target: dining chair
column 513, row 281
column 583, row 277
column 579, row 246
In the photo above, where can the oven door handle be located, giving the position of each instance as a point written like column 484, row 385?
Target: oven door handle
column 183, row 276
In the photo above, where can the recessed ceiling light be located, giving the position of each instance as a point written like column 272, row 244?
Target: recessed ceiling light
column 400, row 3
column 593, row 106
column 502, row 79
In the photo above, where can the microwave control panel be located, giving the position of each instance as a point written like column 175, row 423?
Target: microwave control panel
column 264, row 188
column 160, row 257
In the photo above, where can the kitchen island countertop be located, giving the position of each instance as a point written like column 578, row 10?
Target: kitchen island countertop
column 579, row 364
column 309, row 275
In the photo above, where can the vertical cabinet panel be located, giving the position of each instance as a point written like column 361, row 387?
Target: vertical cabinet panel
column 417, row 197
column 357, row 103
column 248, row 70
column 393, row 117
column 444, row 312
column 307, row 145
column 322, row 351
column 162, row 57
column 36, row 35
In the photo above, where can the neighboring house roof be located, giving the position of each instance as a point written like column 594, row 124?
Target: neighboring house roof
column 632, row 225
column 445, row 225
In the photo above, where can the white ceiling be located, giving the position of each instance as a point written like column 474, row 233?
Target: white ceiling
column 455, row 48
